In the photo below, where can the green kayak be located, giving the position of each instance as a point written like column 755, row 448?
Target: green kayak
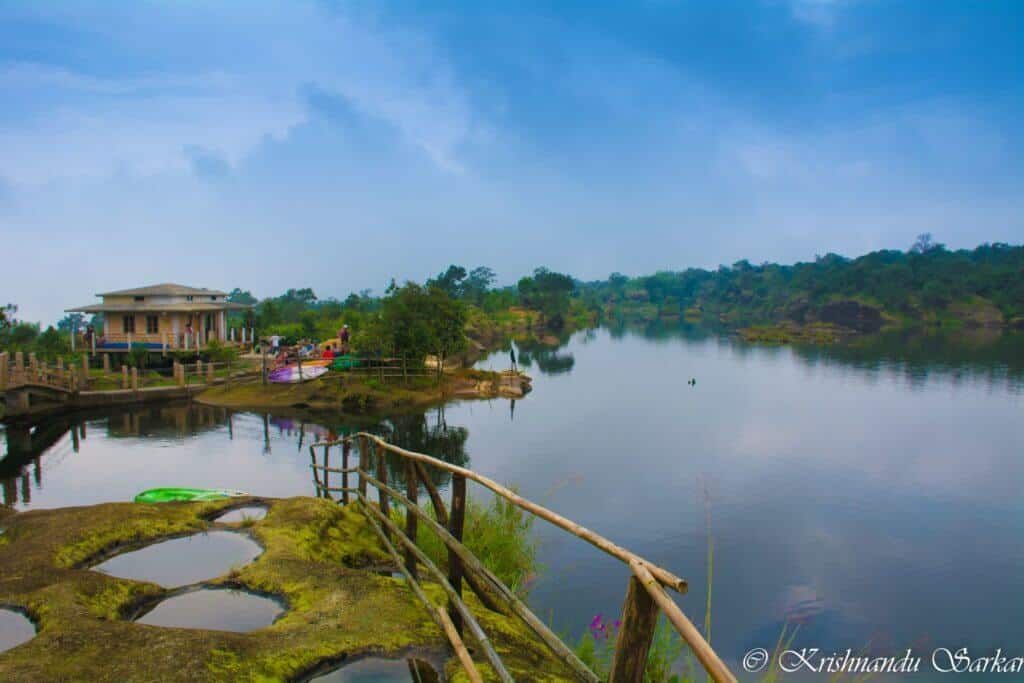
column 345, row 362
column 170, row 495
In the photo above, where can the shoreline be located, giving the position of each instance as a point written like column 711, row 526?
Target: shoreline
column 363, row 396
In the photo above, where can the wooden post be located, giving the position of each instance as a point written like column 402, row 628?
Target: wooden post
column 199, row 370
column 346, row 447
column 4, row 369
column 263, row 357
column 106, row 364
column 364, row 462
column 382, row 475
column 60, row 369
column 412, row 491
column 33, row 364
column 124, row 376
column 639, row 618
column 135, row 379
column 85, row 370
column 327, row 471
column 92, row 342
column 456, row 522
column 209, row 373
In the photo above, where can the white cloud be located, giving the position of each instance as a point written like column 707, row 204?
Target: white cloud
column 73, row 124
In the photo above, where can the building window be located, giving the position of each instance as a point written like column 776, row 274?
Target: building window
column 213, row 298
column 152, row 324
column 140, row 298
column 128, row 324
column 188, row 298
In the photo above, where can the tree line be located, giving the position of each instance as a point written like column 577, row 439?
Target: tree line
column 412, row 320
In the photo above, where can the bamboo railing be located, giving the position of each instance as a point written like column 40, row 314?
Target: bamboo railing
column 645, row 594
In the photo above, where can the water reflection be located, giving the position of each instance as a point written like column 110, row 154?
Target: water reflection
column 124, row 451
column 215, row 609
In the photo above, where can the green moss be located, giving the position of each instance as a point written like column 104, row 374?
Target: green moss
column 319, row 557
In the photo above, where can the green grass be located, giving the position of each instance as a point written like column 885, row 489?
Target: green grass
column 498, row 534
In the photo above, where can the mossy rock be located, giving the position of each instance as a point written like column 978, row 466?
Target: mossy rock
column 321, row 558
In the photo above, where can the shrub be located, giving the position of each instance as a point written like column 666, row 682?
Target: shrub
column 497, row 534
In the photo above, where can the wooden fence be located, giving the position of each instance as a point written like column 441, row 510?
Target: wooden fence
column 20, row 370
column 645, row 593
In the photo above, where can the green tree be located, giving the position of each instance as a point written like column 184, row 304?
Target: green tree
column 549, row 293
column 420, row 320
column 71, row 322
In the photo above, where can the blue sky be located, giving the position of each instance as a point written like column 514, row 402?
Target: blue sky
column 269, row 145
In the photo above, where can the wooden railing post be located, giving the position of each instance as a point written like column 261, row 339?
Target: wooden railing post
column 85, row 370
column 456, row 522
column 4, row 369
column 382, row 475
column 364, row 463
column 327, row 472
column 106, row 364
column 412, row 491
column 209, row 373
column 346, row 448
column 135, row 379
column 124, row 376
column 316, row 477
column 639, row 618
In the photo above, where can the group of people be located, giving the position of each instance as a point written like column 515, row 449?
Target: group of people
column 308, row 350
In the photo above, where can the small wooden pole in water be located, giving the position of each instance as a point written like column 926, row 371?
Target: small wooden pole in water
column 382, row 475
column 456, row 522
column 327, row 472
column 364, row 463
column 412, row 488
column 346, row 447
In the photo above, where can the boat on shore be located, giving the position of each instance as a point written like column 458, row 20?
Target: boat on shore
column 291, row 374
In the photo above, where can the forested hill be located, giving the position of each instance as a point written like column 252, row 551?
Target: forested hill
column 928, row 283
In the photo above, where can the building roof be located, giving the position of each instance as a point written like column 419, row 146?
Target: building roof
column 166, row 289
column 147, row 307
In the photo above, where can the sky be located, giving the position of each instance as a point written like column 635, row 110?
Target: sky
column 335, row 145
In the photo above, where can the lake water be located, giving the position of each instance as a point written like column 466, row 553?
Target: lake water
column 870, row 492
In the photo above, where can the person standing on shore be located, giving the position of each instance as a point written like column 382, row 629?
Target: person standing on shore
column 343, row 337
column 512, row 356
